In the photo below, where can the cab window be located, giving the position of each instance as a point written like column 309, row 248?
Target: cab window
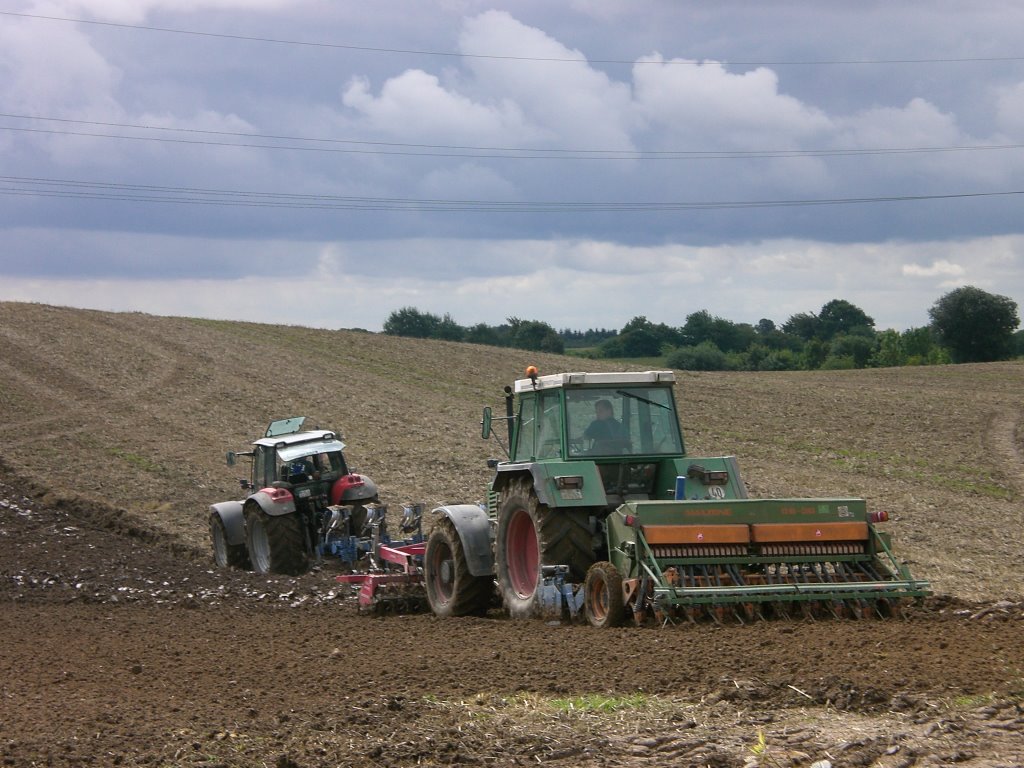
column 526, row 437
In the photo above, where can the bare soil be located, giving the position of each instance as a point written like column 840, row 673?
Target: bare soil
column 120, row 644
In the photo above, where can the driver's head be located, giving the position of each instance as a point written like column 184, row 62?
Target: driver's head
column 603, row 409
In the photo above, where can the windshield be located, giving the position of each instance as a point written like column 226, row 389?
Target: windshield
column 315, row 463
column 622, row 420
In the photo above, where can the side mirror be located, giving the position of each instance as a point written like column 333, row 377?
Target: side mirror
column 485, row 430
column 232, row 458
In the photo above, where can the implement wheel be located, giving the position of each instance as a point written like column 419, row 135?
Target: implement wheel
column 602, row 591
column 275, row 543
column 531, row 534
column 226, row 555
column 451, row 589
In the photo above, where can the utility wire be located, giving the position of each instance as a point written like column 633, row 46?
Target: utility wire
column 19, row 186
column 354, row 146
column 454, row 54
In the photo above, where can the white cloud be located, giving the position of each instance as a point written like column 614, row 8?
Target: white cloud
column 415, row 104
column 577, row 105
column 575, row 284
column 64, row 76
column 917, row 124
column 937, row 268
column 702, row 103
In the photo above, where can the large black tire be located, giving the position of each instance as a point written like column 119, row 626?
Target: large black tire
column 602, row 596
column 451, row 589
column 275, row 542
column 530, row 535
column 226, row 555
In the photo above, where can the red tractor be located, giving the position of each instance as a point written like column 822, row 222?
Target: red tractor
column 303, row 501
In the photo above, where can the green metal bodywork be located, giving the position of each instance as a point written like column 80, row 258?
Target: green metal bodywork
column 877, row 573
column 644, row 478
column 548, row 444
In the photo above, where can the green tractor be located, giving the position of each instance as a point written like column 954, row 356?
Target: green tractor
column 599, row 510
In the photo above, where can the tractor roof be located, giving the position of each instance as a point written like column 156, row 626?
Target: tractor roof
column 556, row 380
column 284, row 435
column 318, row 435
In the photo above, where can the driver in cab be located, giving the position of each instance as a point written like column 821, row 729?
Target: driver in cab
column 607, row 434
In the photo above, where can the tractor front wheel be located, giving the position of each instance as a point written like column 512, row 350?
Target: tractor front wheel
column 275, row 543
column 602, row 596
column 226, row 555
column 451, row 589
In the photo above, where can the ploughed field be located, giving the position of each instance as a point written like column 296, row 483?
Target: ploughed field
column 120, row 644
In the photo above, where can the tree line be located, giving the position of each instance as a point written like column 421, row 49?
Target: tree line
column 967, row 325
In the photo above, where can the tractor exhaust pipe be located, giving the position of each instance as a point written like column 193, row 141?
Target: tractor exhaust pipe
column 509, row 412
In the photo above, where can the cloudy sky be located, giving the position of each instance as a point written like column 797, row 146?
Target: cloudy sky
column 324, row 163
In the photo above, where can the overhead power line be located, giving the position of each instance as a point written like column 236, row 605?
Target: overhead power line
column 21, row 186
column 361, row 146
column 509, row 57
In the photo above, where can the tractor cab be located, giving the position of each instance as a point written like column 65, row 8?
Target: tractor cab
column 618, row 429
column 286, row 456
column 596, row 415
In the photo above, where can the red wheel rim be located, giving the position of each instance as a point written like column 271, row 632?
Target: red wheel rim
column 522, row 554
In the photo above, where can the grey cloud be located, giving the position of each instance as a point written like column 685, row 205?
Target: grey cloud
column 664, row 93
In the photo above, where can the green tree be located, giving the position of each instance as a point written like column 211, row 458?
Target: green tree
column 841, row 317
column 854, row 346
column 804, row 325
column 641, row 338
column 536, row 336
column 922, row 348
column 448, row 329
column 779, row 360
column 726, row 335
column 890, row 352
column 409, row 321
column 640, row 343
column 813, row 354
column 638, row 338
column 702, row 357
column 974, row 325
column 481, row 333
column 698, row 328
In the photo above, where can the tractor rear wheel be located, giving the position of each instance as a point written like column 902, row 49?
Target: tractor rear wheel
column 530, row 535
column 602, row 596
column 275, row 543
column 226, row 555
column 451, row 589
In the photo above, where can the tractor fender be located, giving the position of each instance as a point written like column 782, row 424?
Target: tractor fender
column 474, row 529
column 230, row 513
column 506, row 472
column 352, row 488
column 544, row 475
column 274, row 501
